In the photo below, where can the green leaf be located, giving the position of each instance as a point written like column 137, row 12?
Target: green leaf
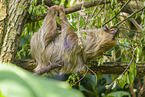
column 99, row 20
column 35, row 2
column 125, row 77
column 128, row 81
column 1, row 95
column 138, row 52
column 118, row 94
column 114, row 85
column 23, row 7
column 131, row 78
column 132, row 73
column 82, row 88
column 71, row 3
column 112, row 2
column 62, row 2
column 73, row 79
column 121, row 81
column 16, row 82
column 84, row 36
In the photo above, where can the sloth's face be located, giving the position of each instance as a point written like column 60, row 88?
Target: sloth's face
column 107, row 40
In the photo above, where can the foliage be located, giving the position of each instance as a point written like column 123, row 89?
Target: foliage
column 73, row 79
column 30, row 28
column 126, row 78
column 85, row 83
column 118, row 94
column 129, row 50
column 130, row 47
column 15, row 82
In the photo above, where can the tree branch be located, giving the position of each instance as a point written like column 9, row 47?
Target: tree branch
column 130, row 16
column 46, row 2
column 48, row 68
column 75, row 8
column 107, row 68
column 27, row 64
column 71, row 9
column 86, row 5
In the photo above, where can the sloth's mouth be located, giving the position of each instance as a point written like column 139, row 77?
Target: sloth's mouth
column 115, row 32
column 111, row 31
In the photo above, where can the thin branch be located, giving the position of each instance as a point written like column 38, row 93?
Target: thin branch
column 128, row 17
column 93, row 13
column 86, row 5
column 117, row 12
column 107, row 68
column 48, row 68
column 126, row 9
column 136, row 24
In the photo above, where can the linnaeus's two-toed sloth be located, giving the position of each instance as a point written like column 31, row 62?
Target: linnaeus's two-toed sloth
column 63, row 47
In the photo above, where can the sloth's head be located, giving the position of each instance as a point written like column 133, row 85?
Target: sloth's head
column 106, row 40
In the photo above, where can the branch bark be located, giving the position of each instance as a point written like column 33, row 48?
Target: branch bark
column 46, row 2
column 86, row 5
column 75, row 8
column 13, row 26
column 107, row 68
column 71, row 9
column 48, row 68
column 27, row 64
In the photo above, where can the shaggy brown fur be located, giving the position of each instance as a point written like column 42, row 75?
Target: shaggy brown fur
column 48, row 45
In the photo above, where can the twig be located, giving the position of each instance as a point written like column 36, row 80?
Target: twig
column 91, row 72
column 127, row 17
column 136, row 24
column 48, row 68
column 142, row 90
column 92, row 14
column 100, row 10
column 117, row 13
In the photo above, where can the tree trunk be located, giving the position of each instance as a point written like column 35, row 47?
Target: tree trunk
column 13, row 25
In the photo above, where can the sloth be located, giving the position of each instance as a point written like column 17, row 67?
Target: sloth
column 49, row 45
